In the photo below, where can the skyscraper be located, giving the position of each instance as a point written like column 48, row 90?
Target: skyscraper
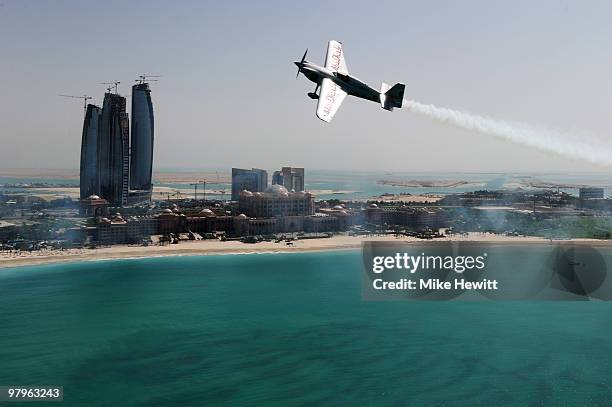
column 141, row 160
column 114, row 150
column 277, row 178
column 290, row 178
column 108, row 167
column 253, row 180
column 89, row 152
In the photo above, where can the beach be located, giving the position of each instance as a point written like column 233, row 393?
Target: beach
column 211, row 247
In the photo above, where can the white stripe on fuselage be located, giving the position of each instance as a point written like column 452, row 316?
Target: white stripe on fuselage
column 319, row 70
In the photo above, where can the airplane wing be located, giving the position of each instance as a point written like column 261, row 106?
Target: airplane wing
column 330, row 99
column 334, row 60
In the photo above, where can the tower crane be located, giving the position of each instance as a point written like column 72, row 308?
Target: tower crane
column 222, row 188
column 145, row 78
column 84, row 97
column 195, row 186
column 114, row 83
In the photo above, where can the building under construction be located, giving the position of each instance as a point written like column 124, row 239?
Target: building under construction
column 89, row 152
column 109, row 168
column 113, row 151
column 141, row 160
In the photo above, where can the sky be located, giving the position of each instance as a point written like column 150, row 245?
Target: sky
column 229, row 98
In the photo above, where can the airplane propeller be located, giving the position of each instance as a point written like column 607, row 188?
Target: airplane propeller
column 301, row 62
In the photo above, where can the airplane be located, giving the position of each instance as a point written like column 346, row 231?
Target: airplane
column 335, row 83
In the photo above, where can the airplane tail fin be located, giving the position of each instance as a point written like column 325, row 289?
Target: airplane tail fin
column 391, row 97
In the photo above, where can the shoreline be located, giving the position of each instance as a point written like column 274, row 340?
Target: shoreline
column 216, row 247
column 119, row 252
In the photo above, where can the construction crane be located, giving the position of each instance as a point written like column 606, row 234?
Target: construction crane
column 204, row 182
column 195, row 190
column 175, row 194
column 167, row 195
column 222, row 189
column 195, row 187
column 114, row 83
column 145, row 78
column 84, row 97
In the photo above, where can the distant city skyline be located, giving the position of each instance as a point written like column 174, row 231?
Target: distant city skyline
column 228, row 96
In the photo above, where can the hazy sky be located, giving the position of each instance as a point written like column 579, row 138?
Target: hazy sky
column 229, row 97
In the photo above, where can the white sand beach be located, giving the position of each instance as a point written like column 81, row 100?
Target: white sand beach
column 210, row 247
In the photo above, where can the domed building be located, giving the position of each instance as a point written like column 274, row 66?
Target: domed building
column 338, row 218
column 277, row 190
column 123, row 230
column 93, row 206
column 276, row 201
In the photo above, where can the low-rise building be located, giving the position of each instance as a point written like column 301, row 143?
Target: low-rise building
column 414, row 218
column 591, row 193
column 120, row 230
column 8, row 231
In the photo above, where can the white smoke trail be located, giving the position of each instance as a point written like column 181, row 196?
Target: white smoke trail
column 541, row 138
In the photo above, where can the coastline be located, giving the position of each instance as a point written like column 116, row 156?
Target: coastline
column 216, row 247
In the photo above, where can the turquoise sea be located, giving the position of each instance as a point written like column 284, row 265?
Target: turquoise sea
column 287, row 329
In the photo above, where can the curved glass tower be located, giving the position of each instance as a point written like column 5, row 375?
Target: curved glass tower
column 113, row 150
column 141, row 160
column 89, row 152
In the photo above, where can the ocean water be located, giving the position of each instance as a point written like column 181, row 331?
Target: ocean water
column 287, row 329
column 348, row 185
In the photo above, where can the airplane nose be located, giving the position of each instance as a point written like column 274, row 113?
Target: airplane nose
column 297, row 63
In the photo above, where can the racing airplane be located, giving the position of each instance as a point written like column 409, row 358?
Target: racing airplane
column 335, row 83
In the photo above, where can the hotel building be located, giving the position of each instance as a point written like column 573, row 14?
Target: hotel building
column 417, row 219
column 276, row 201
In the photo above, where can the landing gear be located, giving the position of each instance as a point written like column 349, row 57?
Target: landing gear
column 313, row 95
